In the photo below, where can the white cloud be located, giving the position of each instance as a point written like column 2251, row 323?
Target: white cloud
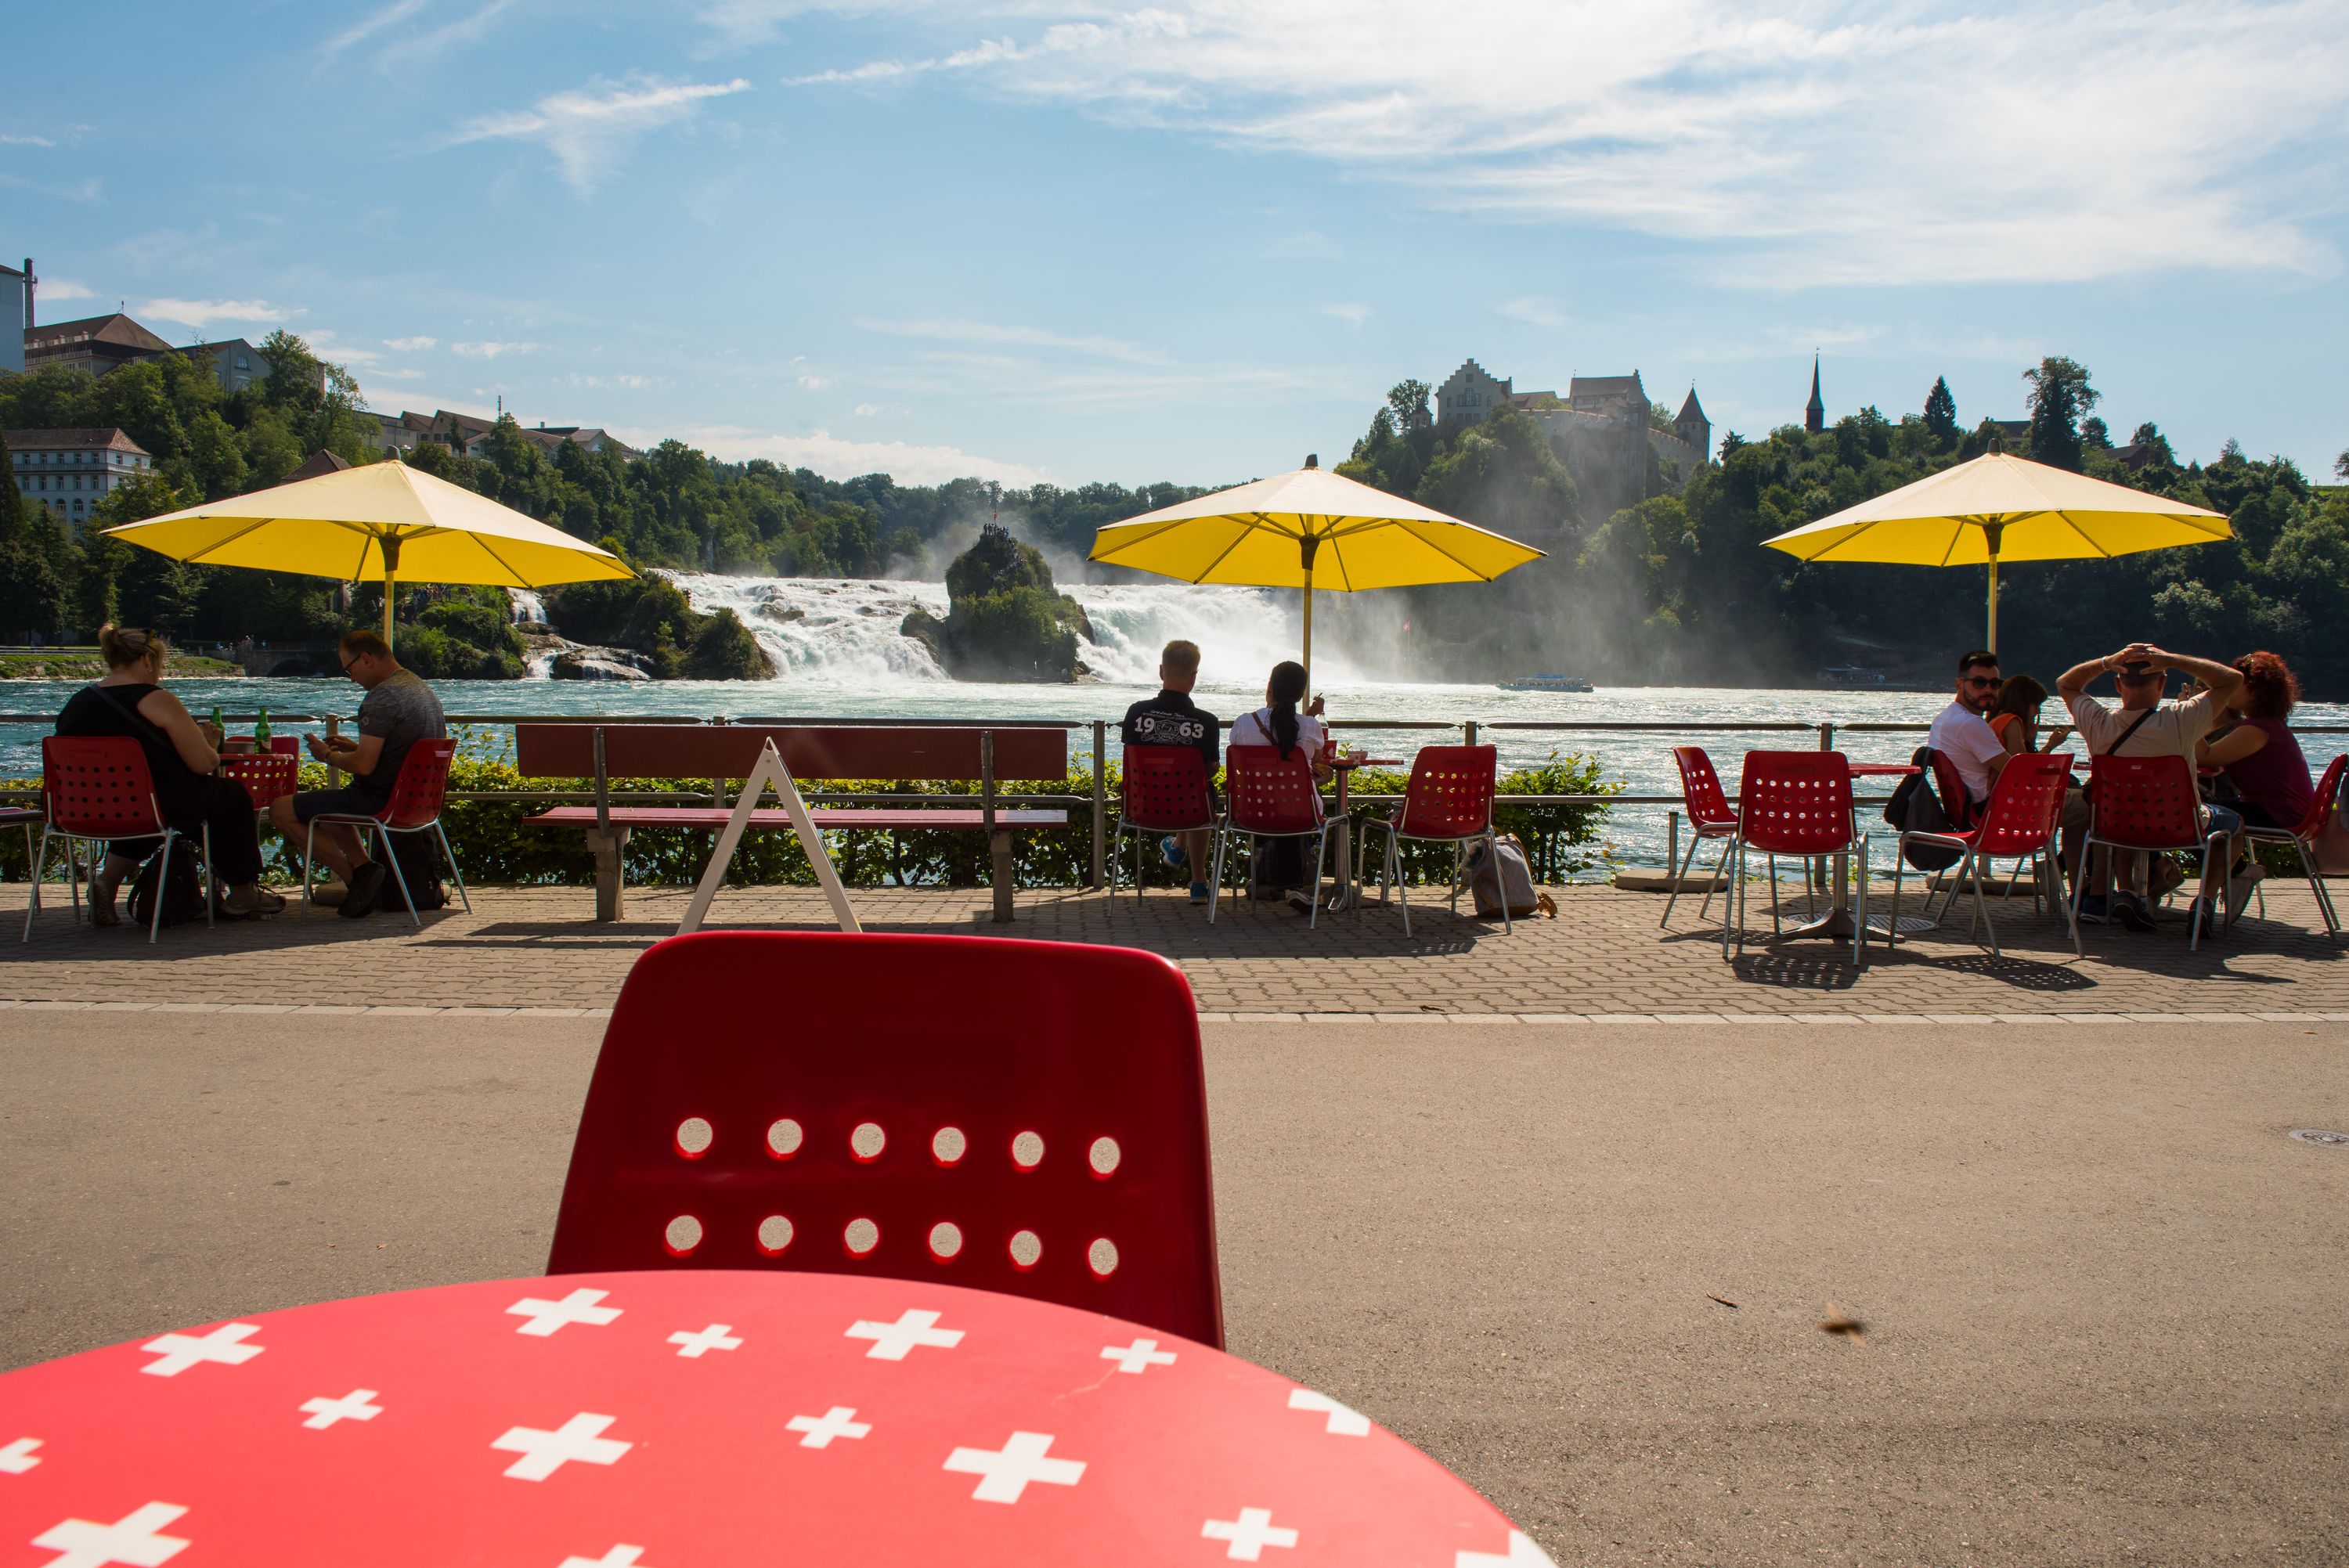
column 838, row 457
column 641, row 380
column 491, row 350
column 1353, row 313
column 326, row 347
column 381, row 374
column 1533, row 311
column 369, row 26
column 589, row 129
column 1076, row 371
column 410, row 344
column 989, row 53
column 815, row 383
column 1306, row 245
column 1832, row 143
column 993, row 334
column 201, row 314
column 10, row 138
column 867, row 411
column 62, row 288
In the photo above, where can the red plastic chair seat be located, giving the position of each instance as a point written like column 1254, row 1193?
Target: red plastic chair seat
column 1025, row 1117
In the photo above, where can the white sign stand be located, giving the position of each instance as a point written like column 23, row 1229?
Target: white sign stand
column 770, row 770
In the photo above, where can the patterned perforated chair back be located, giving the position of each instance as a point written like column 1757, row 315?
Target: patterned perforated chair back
column 1701, row 794
column 1264, row 794
column 2025, row 804
column 265, row 777
column 1957, row 800
column 1796, row 803
column 2328, row 796
column 2146, row 802
column 1451, row 793
column 98, row 786
column 921, row 1106
column 423, row 780
column 1165, row 787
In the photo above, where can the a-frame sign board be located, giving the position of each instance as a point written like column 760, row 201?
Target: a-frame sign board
column 770, row 770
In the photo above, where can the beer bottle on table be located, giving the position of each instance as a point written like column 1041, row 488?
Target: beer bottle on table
column 261, row 731
column 220, row 724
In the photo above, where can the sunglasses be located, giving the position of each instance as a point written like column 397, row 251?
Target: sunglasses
column 1981, row 680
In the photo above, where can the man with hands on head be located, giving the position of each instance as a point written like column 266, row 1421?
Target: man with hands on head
column 2143, row 724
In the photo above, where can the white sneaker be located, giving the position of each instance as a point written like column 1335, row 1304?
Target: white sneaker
column 2238, row 888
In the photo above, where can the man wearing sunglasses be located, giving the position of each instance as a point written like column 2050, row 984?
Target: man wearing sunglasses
column 1961, row 731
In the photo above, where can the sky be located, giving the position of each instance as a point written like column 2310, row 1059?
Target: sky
column 1196, row 240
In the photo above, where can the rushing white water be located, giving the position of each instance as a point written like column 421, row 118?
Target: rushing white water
column 846, row 630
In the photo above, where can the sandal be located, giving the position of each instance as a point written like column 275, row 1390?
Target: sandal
column 102, row 894
column 263, row 903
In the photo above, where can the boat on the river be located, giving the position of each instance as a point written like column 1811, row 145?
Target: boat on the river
column 1547, row 682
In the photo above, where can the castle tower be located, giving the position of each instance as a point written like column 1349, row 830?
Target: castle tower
column 1815, row 413
column 1691, row 426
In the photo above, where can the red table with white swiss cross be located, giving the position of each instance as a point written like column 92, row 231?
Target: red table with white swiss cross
column 702, row 1418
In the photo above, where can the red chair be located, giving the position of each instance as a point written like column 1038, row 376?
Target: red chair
column 284, row 745
column 2146, row 804
column 1267, row 798
column 2025, row 806
column 1448, row 801
column 1710, row 816
column 414, row 808
column 1795, row 803
column 265, row 776
column 1022, row 1117
column 1164, row 790
column 2302, row 835
column 95, row 789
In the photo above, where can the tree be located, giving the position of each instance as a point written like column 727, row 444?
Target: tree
column 2094, row 435
column 2341, row 464
column 2060, row 397
column 1408, row 402
column 1503, row 475
column 1941, row 415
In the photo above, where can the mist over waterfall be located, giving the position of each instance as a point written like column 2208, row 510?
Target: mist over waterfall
column 846, row 628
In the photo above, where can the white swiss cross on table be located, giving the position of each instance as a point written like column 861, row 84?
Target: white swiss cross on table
column 1249, row 1534
column 1138, row 1356
column 840, row 1421
column 717, row 1336
column 621, row 1556
column 16, row 1457
column 1006, row 1473
column 133, row 1538
column 1344, row 1422
column 1522, row 1553
column 546, row 1316
column 891, row 1341
column 543, row 1453
column 351, row 1407
column 176, row 1352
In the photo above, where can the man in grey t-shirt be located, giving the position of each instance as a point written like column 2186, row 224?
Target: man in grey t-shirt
column 397, row 711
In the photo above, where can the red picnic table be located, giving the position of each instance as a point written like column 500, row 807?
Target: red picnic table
column 695, row 1419
column 1837, row 922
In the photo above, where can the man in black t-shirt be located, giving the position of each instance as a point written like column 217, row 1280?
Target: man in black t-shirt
column 1172, row 719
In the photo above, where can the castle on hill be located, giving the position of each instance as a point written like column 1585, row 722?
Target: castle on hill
column 1602, row 429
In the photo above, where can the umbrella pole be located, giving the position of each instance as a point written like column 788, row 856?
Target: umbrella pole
column 391, row 545
column 1308, row 633
column 1991, row 640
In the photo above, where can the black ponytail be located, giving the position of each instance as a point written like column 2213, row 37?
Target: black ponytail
column 1286, row 689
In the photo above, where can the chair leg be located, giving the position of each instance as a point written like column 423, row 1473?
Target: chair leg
column 1313, row 888
column 163, row 880
column 1900, row 864
column 1688, row 855
column 309, row 848
column 211, row 878
column 1215, row 882
column 40, row 865
column 1493, row 852
column 1981, row 909
column 1859, row 909
column 1401, row 883
column 451, row 856
column 1777, row 921
column 1715, row 884
column 383, row 837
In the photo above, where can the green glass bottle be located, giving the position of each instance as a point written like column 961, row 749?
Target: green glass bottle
column 220, row 724
column 261, row 731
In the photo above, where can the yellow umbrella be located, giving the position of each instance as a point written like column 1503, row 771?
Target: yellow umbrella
column 1997, row 508
column 1310, row 529
column 380, row 524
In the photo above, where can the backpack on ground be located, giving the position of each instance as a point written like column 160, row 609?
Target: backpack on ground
column 182, row 891
column 418, row 855
column 1916, row 807
column 1498, row 872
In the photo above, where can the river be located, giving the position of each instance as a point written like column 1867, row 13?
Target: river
column 840, row 656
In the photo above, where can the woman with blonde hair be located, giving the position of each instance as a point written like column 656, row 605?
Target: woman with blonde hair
column 183, row 759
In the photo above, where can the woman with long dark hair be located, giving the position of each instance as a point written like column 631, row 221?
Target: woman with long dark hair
column 1287, row 726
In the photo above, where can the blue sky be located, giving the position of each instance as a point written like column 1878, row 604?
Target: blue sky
column 1198, row 239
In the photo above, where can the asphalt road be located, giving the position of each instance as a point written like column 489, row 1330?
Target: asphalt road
column 2103, row 1292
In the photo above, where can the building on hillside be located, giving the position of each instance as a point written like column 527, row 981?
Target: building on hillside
column 1814, row 412
column 1603, row 430
column 15, row 314
column 97, row 344
column 398, row 433
column 70, row 471
column 235, row 363
column 591, row 439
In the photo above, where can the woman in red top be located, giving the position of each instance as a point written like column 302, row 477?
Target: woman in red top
column 2261, row 757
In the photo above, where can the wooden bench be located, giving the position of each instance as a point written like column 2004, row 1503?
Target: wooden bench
column 722, row 752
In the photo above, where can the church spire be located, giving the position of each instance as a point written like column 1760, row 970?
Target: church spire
column 1815, row 413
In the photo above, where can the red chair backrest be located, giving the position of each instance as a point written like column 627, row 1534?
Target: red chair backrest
column 1450, row 791
column 2328, row 795
column 98, row 786
column 1796, row 803
column 1263, row 794
column 2146, row 802
column 265, row 777
column 423, row 779
column 817, row 1101
column 1701, row 793
column 1166, row 786
column 1957, row 801
column 2025, row 804
column 284, row 745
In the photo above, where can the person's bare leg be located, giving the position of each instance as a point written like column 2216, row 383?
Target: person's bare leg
column 1195, row 847
column 105, row 884
column 336, row 844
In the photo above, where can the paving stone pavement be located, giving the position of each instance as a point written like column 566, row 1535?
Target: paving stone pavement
column 535, row 949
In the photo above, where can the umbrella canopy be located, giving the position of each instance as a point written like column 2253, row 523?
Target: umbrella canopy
column 1997, row 508
column 1310, row 529
column 384, row 522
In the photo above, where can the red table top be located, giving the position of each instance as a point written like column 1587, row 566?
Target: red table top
column 1884, row 769
column 693, row 1418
